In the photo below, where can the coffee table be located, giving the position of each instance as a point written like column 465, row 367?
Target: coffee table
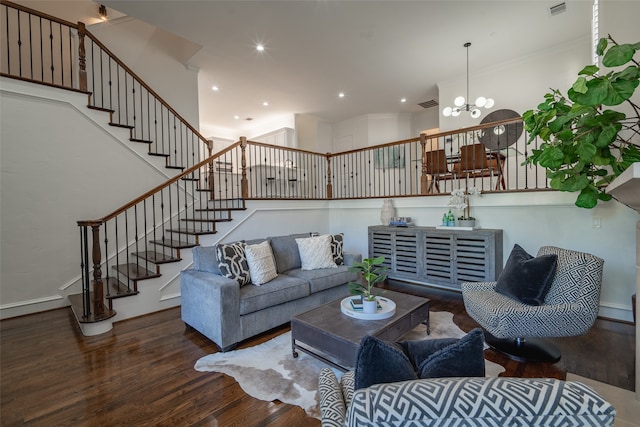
column 333, row 337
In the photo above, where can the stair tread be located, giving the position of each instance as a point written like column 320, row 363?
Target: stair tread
column 175, row 167
column 135, row 272
column 160, row 154
column 157, row 257
column 191, row 231
column 117, row 289
column 118, row 125
column 206, row 219
column 106, row 110
column 76, row 307
column 143, row 141
column 176, row 244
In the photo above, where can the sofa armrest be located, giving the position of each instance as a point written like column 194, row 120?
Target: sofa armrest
column 350, row 258
column 211, row 305
column 332, row 405
column 479, row 401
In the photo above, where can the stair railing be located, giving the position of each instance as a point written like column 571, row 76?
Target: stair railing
column 127, row 245
column 48, row 50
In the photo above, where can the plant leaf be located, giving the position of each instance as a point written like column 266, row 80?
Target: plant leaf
column 618, row 55
column 588, row 198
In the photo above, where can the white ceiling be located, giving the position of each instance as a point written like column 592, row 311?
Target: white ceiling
column 376, row 52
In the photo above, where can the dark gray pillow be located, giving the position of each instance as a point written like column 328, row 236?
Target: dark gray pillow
column 379, row 361
column 464, row 358
column 337, row 248
column 232, row 262
column 526, row 278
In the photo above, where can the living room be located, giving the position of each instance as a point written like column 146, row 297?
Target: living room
column 549, row 217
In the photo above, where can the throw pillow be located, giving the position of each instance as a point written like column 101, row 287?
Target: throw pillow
column 464, row 358
column 378, row 361
column 233, row 262
column 525, row 278
column 262, row 267
column 315, row 252
column 337, row 248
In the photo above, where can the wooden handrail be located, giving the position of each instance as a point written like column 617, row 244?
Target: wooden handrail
column 37, row 13
column 145, row 85
column 93, row 222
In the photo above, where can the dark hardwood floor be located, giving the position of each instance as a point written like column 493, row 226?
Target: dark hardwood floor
column 141, row 373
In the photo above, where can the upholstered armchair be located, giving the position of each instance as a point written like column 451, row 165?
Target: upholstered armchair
column 569, row 308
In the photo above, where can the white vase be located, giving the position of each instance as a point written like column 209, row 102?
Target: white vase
column 369, row 307
column 387, row 212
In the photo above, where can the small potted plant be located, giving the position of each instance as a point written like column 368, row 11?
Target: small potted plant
column 371, row 272
column 460, row 200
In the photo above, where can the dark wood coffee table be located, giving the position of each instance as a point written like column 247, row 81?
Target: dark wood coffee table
column 333, row 337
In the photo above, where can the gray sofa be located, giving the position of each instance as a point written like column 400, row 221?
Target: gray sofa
column 478, row 401
column 227, row 313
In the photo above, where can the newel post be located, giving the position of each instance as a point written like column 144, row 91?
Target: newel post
column 82, row 58
column 244, row 184
column 211, row 183
column 329, row 183
column 424, row 178
column 98, row 286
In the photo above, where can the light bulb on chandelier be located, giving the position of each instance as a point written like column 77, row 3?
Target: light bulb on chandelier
column 461, row 102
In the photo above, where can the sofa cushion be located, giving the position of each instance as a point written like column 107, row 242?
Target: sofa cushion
column 278, row 291
column 315, row 252
column 205, row 259
column 285, row 251
column 337, row 248
column 233, row 262
column 525, row 278
column 262, row 267
column 325, row 278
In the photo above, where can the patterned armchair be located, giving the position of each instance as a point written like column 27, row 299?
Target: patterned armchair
column 570, row 308
column 477, row 401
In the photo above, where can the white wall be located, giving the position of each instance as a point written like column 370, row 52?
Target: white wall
column 60, row 162
column 143, row 48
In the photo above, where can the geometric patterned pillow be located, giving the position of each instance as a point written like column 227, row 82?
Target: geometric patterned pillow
column 233, row 262
column 337, row 248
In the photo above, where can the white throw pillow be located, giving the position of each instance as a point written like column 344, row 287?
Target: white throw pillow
column 315, row 252
column 262, row 266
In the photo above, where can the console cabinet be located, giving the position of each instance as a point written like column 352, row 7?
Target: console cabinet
column 441, row 257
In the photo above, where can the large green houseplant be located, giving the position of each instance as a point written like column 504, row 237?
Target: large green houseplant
column 371, row 272
column 586, row 145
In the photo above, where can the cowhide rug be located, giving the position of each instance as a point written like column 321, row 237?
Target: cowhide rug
column 269, row 372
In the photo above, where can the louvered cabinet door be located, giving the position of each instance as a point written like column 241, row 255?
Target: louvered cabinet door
column 439, row 267
column 405, row 259
column 471, row 257
column 381, row 244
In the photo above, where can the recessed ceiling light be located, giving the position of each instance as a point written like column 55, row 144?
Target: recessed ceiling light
column 215, row 88
column 341, row 95
column 260, row 47
column 403, row 100
column 265, row 104
column 236, row 117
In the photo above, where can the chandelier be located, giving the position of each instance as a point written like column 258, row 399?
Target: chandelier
column 461, row 104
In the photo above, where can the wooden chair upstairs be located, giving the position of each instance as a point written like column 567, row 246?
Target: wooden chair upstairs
column 436, row 167
column 477, row 162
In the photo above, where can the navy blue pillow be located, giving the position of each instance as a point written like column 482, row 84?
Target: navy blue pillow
column 465, row 358
column 379, row 361
column 525, row 278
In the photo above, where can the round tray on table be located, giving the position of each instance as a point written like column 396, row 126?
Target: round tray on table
column 388, row 309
